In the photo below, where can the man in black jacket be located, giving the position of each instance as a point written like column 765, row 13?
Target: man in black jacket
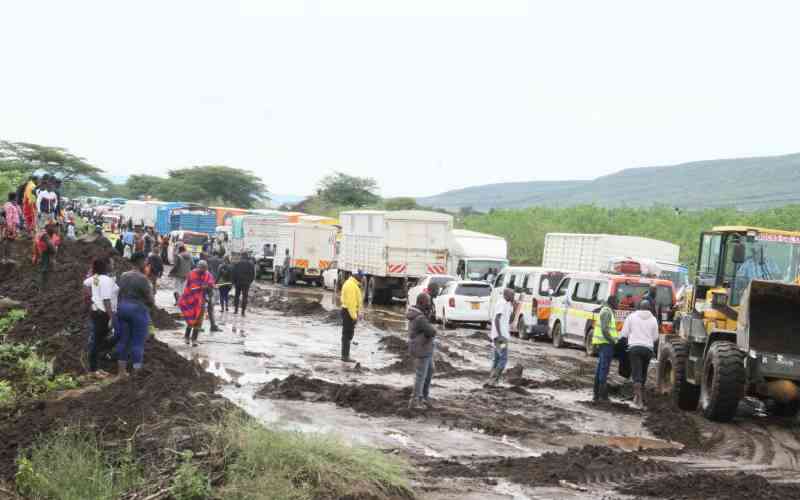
column 242, row 276
column 421, row 336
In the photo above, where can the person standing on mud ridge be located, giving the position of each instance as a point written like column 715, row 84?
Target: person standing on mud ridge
column 604, row 339
column 351, row 300
column 242, row 275
column 501, row 335
column 193, row 302
column 641, row 330
column 421, row 335
column 45, row 249
column 102, row 294
column 133, row 315
column 28, row 204
column 11, row 216
column 179, row 272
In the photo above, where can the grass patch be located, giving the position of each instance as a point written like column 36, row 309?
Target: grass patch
column 8, row 321
column 263, row 463
column 69, row 465
column 25, row 374
column 189, row 482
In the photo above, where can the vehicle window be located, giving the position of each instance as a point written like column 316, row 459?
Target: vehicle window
column 499, row 281
column 549, row 281
column 474, row 290
column 583, row 291
column 194, row 239
column 511, row 281
column 600, row 292
column 562, row 288
column 441, row 281
column 630, row 294
column 527, row 284
column 710, row 254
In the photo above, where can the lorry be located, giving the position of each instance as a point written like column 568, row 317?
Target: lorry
column 143, row 213
column 394, row 249
column 476, row 256
column 257, row 235
column 592, row 252
column 312, row 249
column 736, row 333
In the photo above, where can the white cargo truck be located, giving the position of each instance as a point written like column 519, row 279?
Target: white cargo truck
column 592, row 252
column 143, row 213
column 476, row 256
column 257, row 235
column 312, row 248
column 393, row 249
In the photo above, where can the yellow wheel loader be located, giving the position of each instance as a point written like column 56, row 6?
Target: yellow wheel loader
column 738, row 332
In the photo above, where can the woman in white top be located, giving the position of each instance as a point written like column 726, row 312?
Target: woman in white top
column 641, row 330
column 102, row 290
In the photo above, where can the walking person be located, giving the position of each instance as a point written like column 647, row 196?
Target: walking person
column 641, row 330
column 604, row 338
column 133, row 315
column 45, row 249
column 28, row 204
column 102, row 292
column 193, row 301
column 421, row 335
column 287, row 269
column 501, row 335
column 46, row 203
column 12, row 215
column 351, row 300
column 214, row 263
column 224, row 283
column 155, row 268
column 242, row 275
column 179, row 272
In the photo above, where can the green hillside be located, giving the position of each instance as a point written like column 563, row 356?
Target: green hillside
column 744, row 183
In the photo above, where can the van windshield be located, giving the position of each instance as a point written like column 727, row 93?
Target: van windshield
column 484, row 269
column 630, row 294
column 474, row 290
column 194, row 239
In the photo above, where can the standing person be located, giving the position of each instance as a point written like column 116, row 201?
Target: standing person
column 181, row 269
column 604, row 338
column 224, row 283
column 165, row 249
column 119, row 246
column 102, row 291
column 138, row 242
column 133, row 314
column 46, row 203
column 287, row 271
column 12, row 216
column 193, row 301
column 242, row 275
column 44, row 252
column 148, row 241
column 501, row 335
column 641, row 330
column 28, row 203
column 214, row 262
column 155, row 267
column 71, row 231
column 351, row 300
column 421, row 336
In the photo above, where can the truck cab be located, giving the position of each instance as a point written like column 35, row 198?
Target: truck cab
column 193, row 242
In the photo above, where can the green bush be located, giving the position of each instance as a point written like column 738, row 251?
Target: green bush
column 69, row 465
column 190, row 483
column 269, row 464
column 7, row 322
column 7, row 393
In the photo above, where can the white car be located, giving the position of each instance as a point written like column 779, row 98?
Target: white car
column 330, row 277
column 426, row 285
column 464, row 302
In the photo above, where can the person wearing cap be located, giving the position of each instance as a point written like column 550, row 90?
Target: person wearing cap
column 641, row 330
column 133, row 315
column 351, row 300
column 194, row 298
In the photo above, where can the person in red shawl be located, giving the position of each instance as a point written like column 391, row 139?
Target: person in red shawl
column 192, row 303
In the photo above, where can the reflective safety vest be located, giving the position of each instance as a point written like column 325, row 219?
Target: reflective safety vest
column 598, row 338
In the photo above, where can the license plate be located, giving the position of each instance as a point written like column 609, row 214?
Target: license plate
column 476, row 305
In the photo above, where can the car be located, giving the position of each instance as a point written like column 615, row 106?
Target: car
column 532, row 289
column 463, row 301
column 579, row 296
column 330, row 277
column 430, row 284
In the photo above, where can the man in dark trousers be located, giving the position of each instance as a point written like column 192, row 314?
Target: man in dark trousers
column 213, row 267
column 351, row 299
column 243, row 275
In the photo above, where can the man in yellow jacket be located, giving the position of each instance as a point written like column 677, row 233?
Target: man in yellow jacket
column 351, row 305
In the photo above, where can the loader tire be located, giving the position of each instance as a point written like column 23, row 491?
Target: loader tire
column 673, row 359
column 723, row 381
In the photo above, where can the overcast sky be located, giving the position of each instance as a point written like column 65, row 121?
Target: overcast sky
column 424, row 95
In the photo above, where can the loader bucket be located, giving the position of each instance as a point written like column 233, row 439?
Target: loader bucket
column 769, row 319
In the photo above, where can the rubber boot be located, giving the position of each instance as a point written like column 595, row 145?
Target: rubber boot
column 195, row 333
column 603, row 390
column 596, row 396
column 345, row 351
column 122, row 368
column 637, row 396
column 186, row 335
column 490, row 382
column 498, row 377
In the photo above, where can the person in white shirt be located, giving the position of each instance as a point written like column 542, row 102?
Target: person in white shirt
column 501, row 335
column 641, row 330
column 46, row 203
column 101, row 292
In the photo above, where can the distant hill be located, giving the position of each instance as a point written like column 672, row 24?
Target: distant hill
column 745, row 183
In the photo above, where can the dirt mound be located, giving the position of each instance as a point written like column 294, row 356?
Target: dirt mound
column 712, row 486
column 477, row 335
column 394, row 344
column 561, row 384
column 290, row 305
column 163, row 320
column 668, row 422
column 333, row 317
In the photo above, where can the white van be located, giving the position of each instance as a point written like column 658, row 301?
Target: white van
column 532, row 289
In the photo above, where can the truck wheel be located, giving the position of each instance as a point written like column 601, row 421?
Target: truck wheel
column 723, row 381
column 790, row 409
column 557, row 340
column 673, row 360
column 589, row 348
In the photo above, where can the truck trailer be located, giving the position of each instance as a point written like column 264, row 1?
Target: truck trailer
column 143, row 213
column 257, row 235
column 393, row 249
column 592, row 252
column 476, row 256
column 312, row 248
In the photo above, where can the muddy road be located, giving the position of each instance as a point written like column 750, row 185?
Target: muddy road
column 536, row 436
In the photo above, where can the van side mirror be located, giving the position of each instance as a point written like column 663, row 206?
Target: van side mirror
column 738, row 253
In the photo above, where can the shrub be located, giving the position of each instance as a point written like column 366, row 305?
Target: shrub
column 190, row 483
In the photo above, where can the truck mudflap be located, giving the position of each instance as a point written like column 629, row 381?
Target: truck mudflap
column 769, row 318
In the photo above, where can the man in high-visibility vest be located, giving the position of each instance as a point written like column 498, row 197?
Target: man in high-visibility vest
column 351, row 299
column 604, row 338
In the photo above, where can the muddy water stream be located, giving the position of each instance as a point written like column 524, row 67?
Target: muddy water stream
column 268, row 345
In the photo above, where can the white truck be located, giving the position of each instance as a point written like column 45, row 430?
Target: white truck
column 592, row 252
column 143, row 213
column 476, row 256
column 257, row 235
column 312, row 248
column 393, row 249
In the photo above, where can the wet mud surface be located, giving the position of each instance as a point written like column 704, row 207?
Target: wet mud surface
column 712, row 486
